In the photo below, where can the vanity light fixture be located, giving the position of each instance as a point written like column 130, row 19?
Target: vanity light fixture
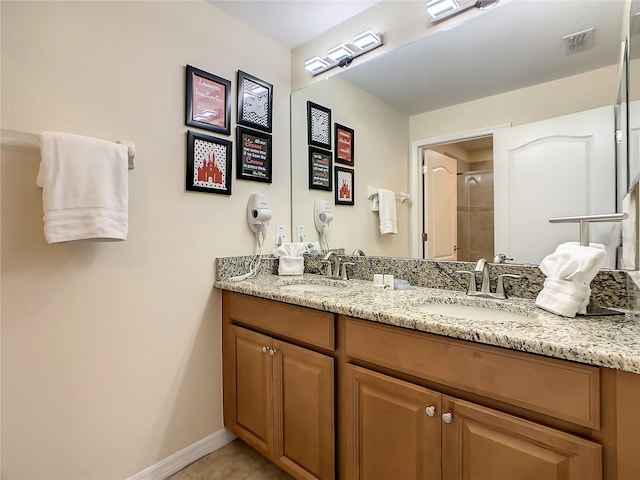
column 342, row 55
column 367, row 40
column 438, row 10
column 338, row 53
column 316, row 65
column 441, row 8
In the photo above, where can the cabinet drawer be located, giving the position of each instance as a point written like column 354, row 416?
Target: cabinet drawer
column 297, row 323
column 561, row 389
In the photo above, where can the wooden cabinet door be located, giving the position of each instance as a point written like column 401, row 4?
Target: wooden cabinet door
column 390, row 435
column 483, row 444
column 304, row 407
column 248, row 396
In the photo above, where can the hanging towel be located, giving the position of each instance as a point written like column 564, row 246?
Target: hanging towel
column 386, row 207
column 569, row 272
column 84, row 188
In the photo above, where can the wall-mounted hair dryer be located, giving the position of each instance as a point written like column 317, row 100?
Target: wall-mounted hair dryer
column 258, row 216
column 322, row 217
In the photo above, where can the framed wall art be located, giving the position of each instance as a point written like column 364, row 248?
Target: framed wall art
column 344, row 186
column 318, row 125
column 208, row 101
column 208, row 164
column 344, row 137
column 320, row 164
column 255, row 100
column 253, row 155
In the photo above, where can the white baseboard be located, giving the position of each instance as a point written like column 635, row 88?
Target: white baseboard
column 176, row 462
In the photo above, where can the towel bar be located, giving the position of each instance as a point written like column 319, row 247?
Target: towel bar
column 373, row 192
column 24, row 139
column 584, row 221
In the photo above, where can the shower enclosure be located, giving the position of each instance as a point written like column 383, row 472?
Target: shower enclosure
column 475, row 215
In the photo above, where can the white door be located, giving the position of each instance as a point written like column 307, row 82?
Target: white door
column 441, row 206
column 559, row 167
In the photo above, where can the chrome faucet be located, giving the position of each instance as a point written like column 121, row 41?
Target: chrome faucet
column 332, row 262
column 336, row 268
column 483, row 268
column 357, row 251
column 485, row 288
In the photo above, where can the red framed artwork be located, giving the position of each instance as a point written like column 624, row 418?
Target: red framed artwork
column 344, row 137
column 343, row 180
column 208, row 101
column 208, row 164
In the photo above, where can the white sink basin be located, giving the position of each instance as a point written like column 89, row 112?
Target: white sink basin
column 472, row 312
column 309, row 287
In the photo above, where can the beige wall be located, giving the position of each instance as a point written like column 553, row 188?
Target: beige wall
column 547, row 100
column 111, row 351
column 380, row 160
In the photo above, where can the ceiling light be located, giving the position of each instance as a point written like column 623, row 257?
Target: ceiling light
column 316, row 65
column 439, row 8
column 338, row 53
column 342, row 55
column 367, row 40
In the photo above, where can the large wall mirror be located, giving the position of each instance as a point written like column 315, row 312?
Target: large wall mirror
column 487, row 73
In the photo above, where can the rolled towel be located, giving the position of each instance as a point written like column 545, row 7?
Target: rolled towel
column 569, row 272
column 290, row 266
column 290, row 259
column 563, row 297
column 290, row 250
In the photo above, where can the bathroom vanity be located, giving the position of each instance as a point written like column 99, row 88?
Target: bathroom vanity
column 346, row 381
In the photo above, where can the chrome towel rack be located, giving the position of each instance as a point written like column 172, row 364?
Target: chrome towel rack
column 24, row 139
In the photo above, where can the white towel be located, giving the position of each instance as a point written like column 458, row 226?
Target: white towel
column 290, row 259
column 84, row 187
column 569, row 272
column 386, row 207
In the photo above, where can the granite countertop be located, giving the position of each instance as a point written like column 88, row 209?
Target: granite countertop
column 608, row 341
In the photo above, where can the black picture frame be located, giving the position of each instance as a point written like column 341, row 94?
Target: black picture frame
column 208, row 164
column 344, row 138
column 207, row 101
column 255, row 102
column 318, row 125
column 344, row 181
column 253, row 155
column 320, row 164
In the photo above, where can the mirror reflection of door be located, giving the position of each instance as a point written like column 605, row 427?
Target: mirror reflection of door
column 458, row 200
column 556, row 167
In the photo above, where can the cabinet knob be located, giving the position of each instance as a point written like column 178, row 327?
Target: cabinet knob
column 265, row 349
column 272, row 352
column 430, row 411
column 447, row 417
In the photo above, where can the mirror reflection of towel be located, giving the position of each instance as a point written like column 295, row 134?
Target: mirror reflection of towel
column 387, row 211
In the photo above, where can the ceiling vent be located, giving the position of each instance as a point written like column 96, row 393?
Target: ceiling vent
column 577, row 42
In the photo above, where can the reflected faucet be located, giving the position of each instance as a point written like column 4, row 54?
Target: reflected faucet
column 357, row 251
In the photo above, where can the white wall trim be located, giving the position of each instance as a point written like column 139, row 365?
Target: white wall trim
column 415, row 225
column 186, row 456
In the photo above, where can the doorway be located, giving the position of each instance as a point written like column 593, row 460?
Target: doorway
column 466, row 231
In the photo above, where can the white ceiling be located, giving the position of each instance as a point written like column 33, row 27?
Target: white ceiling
column 293, row 22
column 516, row 44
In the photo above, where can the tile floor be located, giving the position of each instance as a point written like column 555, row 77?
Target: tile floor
column 235, row 461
